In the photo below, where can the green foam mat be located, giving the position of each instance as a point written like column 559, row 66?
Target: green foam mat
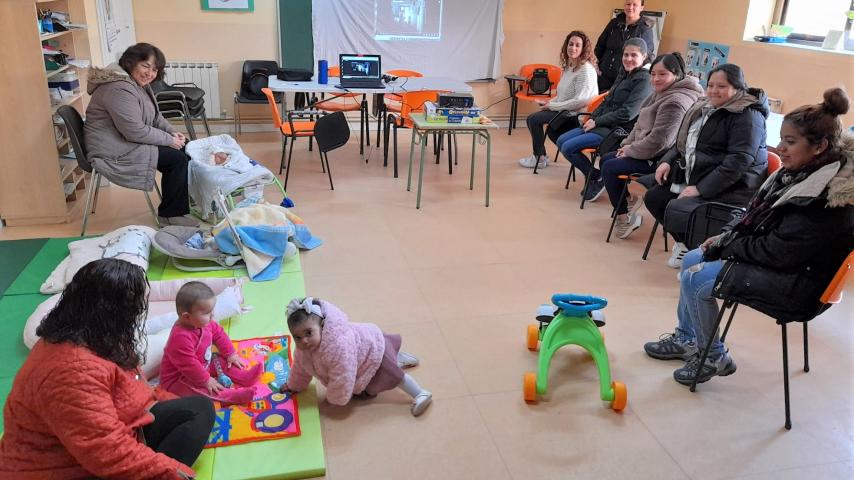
column 14, row 311
column 15, row 255
column 287, row 458
column 36, row 272
column 52, row 252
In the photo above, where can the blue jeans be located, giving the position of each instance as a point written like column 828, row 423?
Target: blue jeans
column 613, row 166
column 698, row 310
column 573, row 142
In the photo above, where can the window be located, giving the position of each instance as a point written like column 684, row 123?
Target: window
column 816, row 17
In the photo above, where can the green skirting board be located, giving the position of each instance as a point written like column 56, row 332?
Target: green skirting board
column 287, row 458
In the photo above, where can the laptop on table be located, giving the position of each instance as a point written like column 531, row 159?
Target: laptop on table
column 360, row 71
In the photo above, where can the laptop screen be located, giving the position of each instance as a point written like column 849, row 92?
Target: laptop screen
column 360, row 66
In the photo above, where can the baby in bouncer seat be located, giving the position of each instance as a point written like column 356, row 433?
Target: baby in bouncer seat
column 219, row 164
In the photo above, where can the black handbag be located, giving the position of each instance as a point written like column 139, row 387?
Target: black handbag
column 294, row 74
column 563, row 121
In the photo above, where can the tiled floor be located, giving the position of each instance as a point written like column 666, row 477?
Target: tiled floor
column 460, row 282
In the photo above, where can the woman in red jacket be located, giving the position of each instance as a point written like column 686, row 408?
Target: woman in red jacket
column 80, row 407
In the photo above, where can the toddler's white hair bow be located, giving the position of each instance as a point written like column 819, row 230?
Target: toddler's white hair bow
column 306, row 304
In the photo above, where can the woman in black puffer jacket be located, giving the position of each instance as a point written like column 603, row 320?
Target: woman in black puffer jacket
column 719, row 156
column 781, row 255
column 609, row 46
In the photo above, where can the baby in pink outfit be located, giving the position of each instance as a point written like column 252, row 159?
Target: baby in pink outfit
column 190, row 367
column 348, row 358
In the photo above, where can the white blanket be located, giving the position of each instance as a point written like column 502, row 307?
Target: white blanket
column 206, row 178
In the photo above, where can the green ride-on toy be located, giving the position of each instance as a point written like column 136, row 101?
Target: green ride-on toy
column 573, row 320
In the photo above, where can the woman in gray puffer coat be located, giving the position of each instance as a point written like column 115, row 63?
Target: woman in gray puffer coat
column 653, row 134
column 126, row 137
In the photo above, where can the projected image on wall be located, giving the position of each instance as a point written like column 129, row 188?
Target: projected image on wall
column 407, row 19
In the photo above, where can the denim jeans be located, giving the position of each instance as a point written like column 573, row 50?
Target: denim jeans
column 573, row 142
column 698, row 310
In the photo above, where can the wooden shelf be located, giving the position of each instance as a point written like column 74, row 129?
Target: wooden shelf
column 66, row 101
column 67, row 167
column 48, row 36
column 63, row 68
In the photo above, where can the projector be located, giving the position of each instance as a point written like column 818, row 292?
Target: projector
column 456, row 100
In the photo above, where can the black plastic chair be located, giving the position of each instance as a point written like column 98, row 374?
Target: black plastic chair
column 74, row 125
column 181, row 100
column 253, row 78
column 331, row 131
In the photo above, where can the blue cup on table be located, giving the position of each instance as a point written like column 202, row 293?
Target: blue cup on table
column 322, row 72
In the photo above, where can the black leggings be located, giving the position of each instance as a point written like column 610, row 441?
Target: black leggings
column 538, row 122
column 181, row 427
column 176, row 198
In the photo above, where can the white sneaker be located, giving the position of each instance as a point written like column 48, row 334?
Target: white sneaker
column 633, row 223
column 676, row 255
column 528, row 162
column 421, row 402
column 406, row 360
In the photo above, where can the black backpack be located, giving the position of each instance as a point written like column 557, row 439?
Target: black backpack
column 539, row 83
column 255, row 82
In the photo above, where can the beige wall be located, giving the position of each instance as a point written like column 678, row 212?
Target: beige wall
column 534, row 31
column 186, row 32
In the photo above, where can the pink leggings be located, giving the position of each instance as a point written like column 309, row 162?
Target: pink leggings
column 242, row 391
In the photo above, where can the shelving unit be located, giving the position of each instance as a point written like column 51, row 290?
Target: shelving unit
column 37, row 187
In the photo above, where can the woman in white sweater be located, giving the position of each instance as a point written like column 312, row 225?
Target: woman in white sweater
column 576, row 88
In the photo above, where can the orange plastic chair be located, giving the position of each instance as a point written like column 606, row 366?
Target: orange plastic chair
column 391, row 102
column 832, row 295
column 411, row 102
column 290, row 129
column 773, row 162
column 520, row 91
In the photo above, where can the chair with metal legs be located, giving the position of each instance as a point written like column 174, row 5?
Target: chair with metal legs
column 832, row 295
column 74, row 125
column 331, row 131
column 290, row 129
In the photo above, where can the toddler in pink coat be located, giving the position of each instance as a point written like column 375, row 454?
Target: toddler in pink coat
column 348, row 358
column 190, row 367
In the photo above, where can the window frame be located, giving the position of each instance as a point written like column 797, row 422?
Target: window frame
column 782, row 7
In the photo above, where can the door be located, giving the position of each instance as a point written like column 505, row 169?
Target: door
column 115, row 22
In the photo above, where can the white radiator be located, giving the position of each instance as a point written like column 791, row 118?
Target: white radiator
column 203, row 74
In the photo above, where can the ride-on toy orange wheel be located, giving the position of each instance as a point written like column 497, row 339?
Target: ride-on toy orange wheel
column 533, row 337
column 576, row 322
column 529, row 387
column 620, row 396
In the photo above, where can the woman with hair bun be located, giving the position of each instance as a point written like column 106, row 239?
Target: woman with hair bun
column 780, row 256
column 653, row 134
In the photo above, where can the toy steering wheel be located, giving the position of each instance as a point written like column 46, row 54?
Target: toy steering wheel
column 578, row 305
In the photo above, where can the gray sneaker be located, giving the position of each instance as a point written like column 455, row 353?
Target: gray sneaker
column 723, row 366
column 669, row 347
